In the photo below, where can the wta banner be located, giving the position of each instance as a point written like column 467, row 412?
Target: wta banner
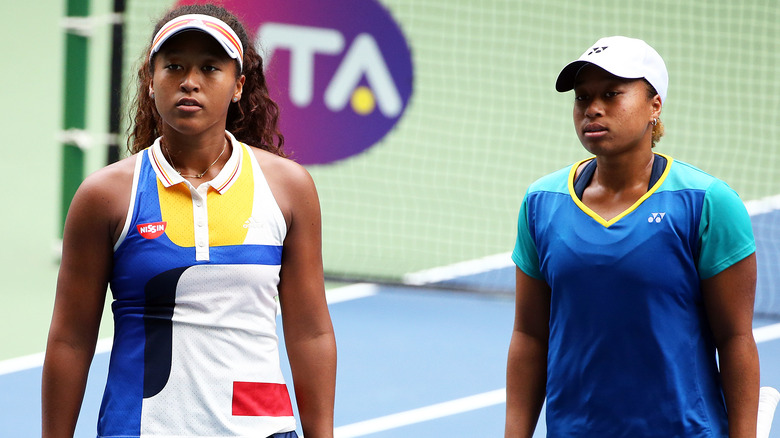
column 341, row 72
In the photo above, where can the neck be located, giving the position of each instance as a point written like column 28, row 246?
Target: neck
column 621, row 172
column 198, row 157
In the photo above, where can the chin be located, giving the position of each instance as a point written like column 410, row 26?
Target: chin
column 186, row 128
column 601, row 149
column 593, row 148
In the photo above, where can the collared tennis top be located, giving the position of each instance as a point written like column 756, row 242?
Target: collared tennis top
column 194, row 283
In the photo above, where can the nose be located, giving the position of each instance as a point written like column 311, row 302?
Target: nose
column 191, row 80
column 594, row 108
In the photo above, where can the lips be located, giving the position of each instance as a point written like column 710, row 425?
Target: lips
column 188, row 102
column 594, row 127
column 594, row 130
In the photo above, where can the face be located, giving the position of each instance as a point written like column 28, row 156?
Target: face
column 611, row 114
column 193, row 82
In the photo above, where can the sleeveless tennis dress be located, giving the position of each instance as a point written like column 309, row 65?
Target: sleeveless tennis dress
column 194, row 283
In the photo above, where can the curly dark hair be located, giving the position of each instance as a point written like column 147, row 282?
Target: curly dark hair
column 252, row 120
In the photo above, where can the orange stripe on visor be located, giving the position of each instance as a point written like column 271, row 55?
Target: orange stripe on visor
column 215, row 27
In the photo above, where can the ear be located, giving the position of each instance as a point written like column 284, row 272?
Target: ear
column 239, row 87
column 151, row 89
column 656, row 107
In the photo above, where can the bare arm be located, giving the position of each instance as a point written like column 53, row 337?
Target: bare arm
column 526, row 378
column 309, row 337
column 728, row 298
column 78, row 306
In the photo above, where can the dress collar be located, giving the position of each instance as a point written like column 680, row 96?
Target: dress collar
column 168, row 176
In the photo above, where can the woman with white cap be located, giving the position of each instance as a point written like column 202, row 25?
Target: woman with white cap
column 201, row 237
column 633, row 270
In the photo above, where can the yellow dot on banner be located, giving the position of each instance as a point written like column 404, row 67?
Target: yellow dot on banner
column 363, row 101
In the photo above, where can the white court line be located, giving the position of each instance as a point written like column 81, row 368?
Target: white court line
column 497, row 261
column 346, row 293
column 419, row 415
column 766, row 333
column 387, row 422
column 761, row 334
column 351, row 292
column 438, row 274
column 36, row 360
column 21, row 363
column 763, row 205
column 466, row 404
column 336, row 295
column 461, row 269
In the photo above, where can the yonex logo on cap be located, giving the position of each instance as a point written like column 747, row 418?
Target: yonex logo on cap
column 597, row 50
column 628, row 58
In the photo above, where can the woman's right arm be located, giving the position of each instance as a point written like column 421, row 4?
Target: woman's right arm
column 87, row 251
column 526, row 377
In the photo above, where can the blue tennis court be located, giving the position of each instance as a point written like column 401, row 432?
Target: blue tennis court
column 412, row 362
column 483, row 121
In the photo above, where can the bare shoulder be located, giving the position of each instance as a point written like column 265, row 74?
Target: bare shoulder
column 110, row 181
column 104, row 195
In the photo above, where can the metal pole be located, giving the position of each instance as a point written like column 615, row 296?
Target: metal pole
column 115, row 106
column 74, row 115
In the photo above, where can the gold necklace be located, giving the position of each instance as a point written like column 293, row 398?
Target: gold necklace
column 200, row 175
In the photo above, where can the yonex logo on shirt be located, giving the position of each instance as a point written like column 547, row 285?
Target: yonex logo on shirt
column 656, row 217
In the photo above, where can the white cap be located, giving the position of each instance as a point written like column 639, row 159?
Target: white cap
column 624, row 57
column 215, row 27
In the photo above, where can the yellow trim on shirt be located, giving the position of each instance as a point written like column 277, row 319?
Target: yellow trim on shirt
column 228, row 212
column 593, row 214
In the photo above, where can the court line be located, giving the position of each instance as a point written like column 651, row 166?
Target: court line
column 351, row 292
column 460, row 269
column 471, row 403
column 420, row 415
column 336, row 295
column 766, row 333
column 22, row 363
column 481, row 265
column 8, row 366
column 763, row 205
column 387, row 422
column 35, row 360
column 345, row 293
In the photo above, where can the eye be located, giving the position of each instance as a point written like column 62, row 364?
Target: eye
column 173, row 67
column 580, row 98
column 609, row 94
column 210, row 68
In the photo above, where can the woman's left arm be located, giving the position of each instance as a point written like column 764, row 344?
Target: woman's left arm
column 308, row 332
column 728, row 299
